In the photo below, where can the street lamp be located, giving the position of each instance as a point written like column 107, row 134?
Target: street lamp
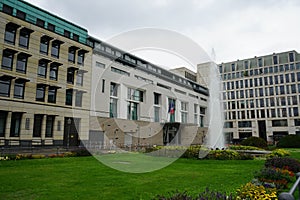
column 69, row 121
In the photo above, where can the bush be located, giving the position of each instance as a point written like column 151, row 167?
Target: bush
column 255, row 141
column 284, row 163
column 223, row 155
column 207, row 195
column 242, row 147
column 81, row 152
column 289, row 141
column 279, row 153
column 252, row 191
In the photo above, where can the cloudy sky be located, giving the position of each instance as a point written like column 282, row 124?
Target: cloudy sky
column 235, row 29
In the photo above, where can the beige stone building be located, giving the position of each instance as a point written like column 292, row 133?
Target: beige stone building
column 45, row 77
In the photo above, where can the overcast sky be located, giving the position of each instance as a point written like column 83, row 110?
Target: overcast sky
column 235, row 29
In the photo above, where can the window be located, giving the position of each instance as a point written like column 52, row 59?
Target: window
column 291, row 57
column 67, row 33
column 19, row 89
column 52, row 91
column 70, row 75
column 113, row 89
column 7, row 9
column 40, row 23
column 21, row 63
column 3, row 117
column 51, row 27
column 5, row 87
column 21, row 15
column 119, row 71
column 42, row 68
column 37, row 125
column 69, row 97
column 78, row 98
column 156, row 114
column 103, row 85
column 244, row 124
column 44, row 45
column 113, row 107
column 54, row 71
column 100, row 65
column 278, row 123
column 75, row 37
column 10, row 33
column 80, row 58
column 40, row 92
column 275, row 60
column 24, row 37
column 7, row 59
column 49, row 125
column 202, row 110
column 15, row 125
column 132, row 109
column 79, row 78
column 55, row 49
column 71, row 54
column 184, row 109
column 135, row 95
column 260, row 63
column 157, row 98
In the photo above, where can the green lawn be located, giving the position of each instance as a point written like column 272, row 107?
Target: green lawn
column 87, row 178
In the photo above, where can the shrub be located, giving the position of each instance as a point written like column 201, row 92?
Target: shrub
column 289, row 141
column 207, row 195
column 279, row 153
column 242, row 147
column 252, row 191
column 284, row 163
column 81, row 152
column 255, row 141
column 277, row 176
column 223, row 155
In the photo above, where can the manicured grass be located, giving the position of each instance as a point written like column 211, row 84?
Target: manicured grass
column 87, row 178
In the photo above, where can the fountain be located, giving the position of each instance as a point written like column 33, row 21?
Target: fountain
column 215, row 136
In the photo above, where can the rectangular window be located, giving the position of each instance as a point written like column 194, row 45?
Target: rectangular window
column 52, row 91
column 3, row 117
column 40, row 23
column 113, row 89
column 135, row 95
column 24, row 37
column 44, row 45
column 78, row 98
column 67, row 33
column 80, row 58
column 100, row 65
column 71, row 54
column 113, row 105
column 279, row 123
column 42, row 68
column 55, row 49
column 275, row 60
column 79, row 79
column 40, row 92
column 119, row 71
column 156, row 114
column 7, row 59
column 37, row 125
column 7, row 9
column 132, row 109
column 244, row 124
column 69, row 97
column 70, row 75
column 49, row 125
column 21, row 63
column 75, row 37
column 19, row 90
column 5, row 88
column 291, row 57
column 51, row 27
column 15, row 125
column 53, row 71
column 10, row 33
column 21, row 15
column 157, row 98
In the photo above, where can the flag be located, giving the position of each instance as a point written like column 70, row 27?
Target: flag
column 171, row 107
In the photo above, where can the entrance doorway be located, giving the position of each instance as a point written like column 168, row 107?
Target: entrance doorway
column 262, row 130
column 71, row 137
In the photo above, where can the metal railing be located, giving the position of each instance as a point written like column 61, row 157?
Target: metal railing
column 289, row 195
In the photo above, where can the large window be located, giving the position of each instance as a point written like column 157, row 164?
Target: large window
column 7, row 59
column 184, row 110
column 80, row 58
column 113, row 106
column 55, row 48
column 5, row 87
column 22, row 63
column 278, row 123
column 52, row 91
column 113, row 89
column 54, row 71
column 78, row 98
column 135, row 95
column 69, row 97
column 42, row 68
column 15, row 125
column 44, row 45
column 19, row 89
column 244, row 124
column 10, row 33
column 3, row 117
column 70, row 75
column 49, row 125
column 132, row 111
column 40, row 92
column 71, row 54
column 157, row 102
column 79, row 78
column 37, row 125
column 24, row 37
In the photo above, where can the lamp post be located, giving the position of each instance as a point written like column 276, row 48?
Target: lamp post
column 69, row 121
